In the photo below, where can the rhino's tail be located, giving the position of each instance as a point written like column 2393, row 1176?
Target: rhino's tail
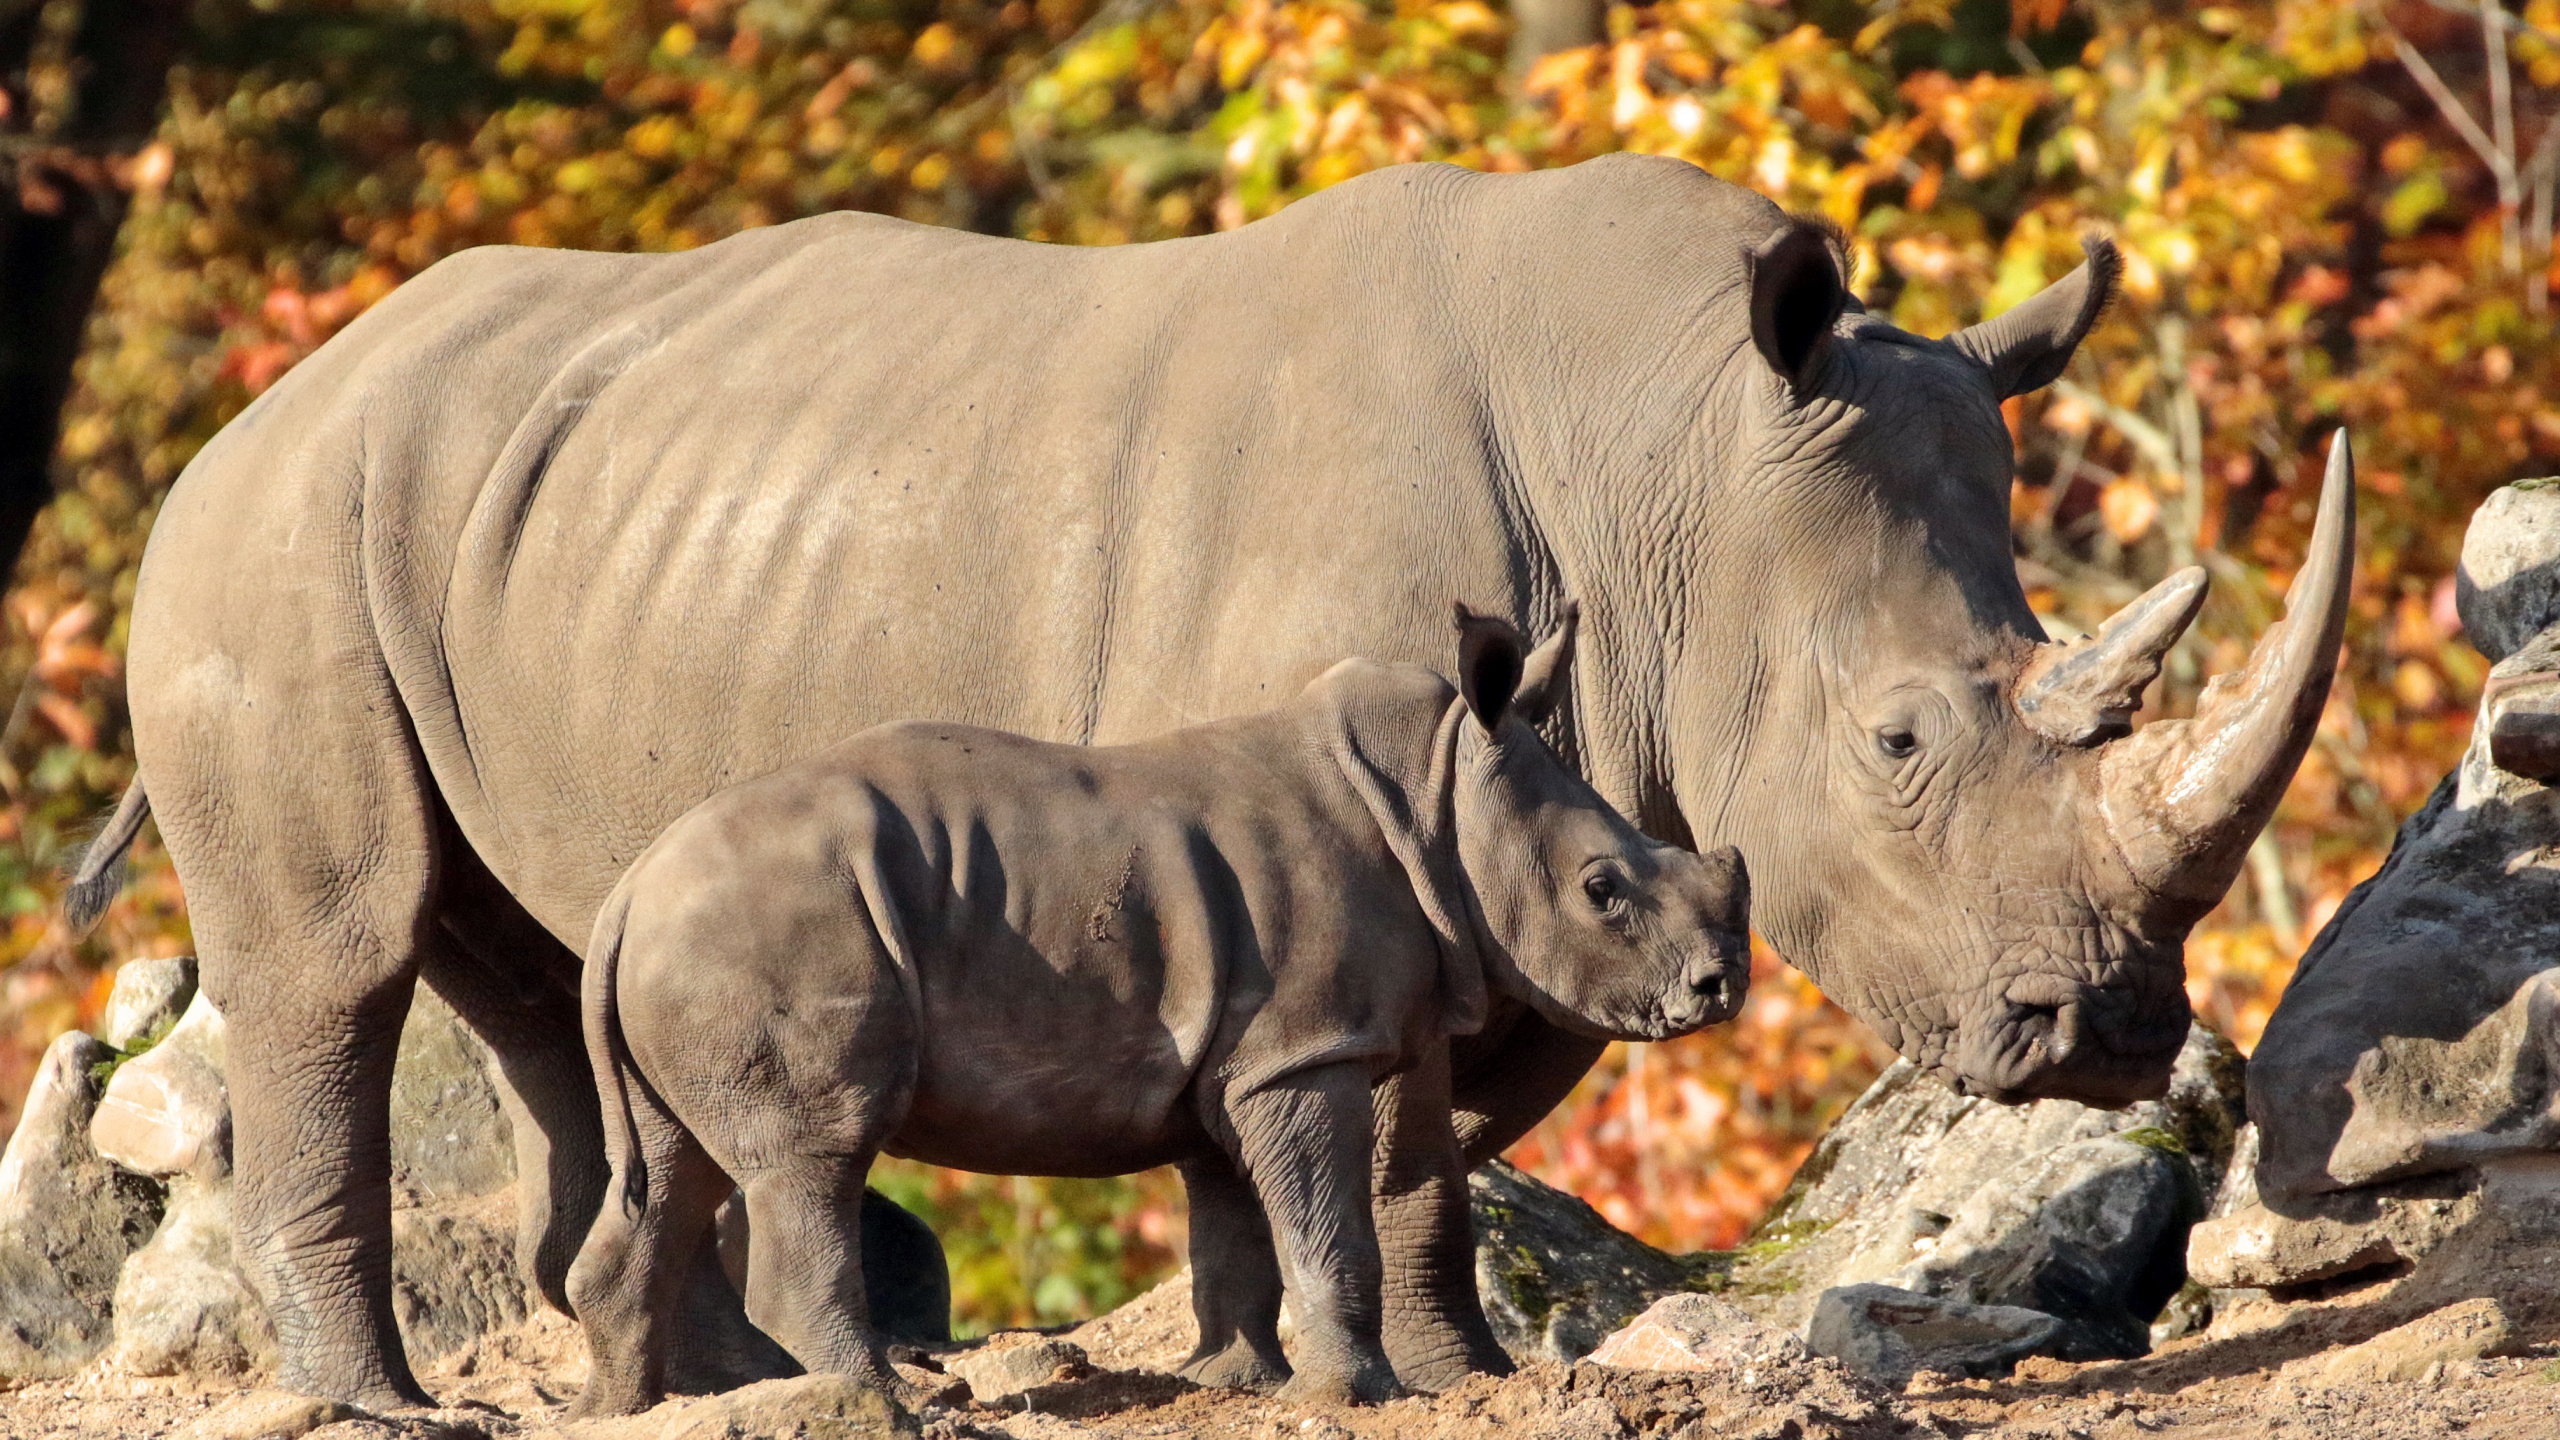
column 101, row 871
column 605, row 1050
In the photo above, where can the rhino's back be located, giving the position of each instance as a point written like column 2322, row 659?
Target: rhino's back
column 634, row 528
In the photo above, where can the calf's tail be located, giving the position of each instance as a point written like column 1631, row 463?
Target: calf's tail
column 605, row 1051
column 101, row 872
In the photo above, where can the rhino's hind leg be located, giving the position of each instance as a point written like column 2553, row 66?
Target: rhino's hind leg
column 631, row 1276
column 1434, row 1327
column 1235, row 1282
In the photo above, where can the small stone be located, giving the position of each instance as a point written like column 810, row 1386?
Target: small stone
column 2421, row 1349
column 267, row 1415
column 1890, row 1334
column 1696, row 1332
column 168, row 1110
column 806, row 1407
column 1008, row 1367
column 147, row 995
column 67, row 1221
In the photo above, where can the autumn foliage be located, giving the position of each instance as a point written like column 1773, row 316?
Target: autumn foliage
column 2313, row 239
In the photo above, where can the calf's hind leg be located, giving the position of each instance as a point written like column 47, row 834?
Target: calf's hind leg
column 630, row 1278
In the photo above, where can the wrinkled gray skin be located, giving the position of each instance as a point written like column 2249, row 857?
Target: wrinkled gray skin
column 981, row 951
column 438, row 635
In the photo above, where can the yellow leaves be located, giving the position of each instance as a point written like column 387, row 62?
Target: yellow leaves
column 677, row 40
column 1468, row 17
column 930, row 173
column 936, row 45
column 1238, row 57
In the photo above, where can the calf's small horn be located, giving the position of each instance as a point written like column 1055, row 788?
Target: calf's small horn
column 2183, row 799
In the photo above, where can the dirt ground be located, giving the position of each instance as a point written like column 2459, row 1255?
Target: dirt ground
column 2257, row 1378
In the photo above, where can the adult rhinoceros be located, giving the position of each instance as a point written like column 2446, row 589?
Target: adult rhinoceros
column 436, row 636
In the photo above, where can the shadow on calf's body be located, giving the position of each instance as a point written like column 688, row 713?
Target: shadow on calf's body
column 1208, row 949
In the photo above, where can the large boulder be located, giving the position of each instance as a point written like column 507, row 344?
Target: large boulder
column 67, row 1220
column 148, row 997
column 2076, row 1212
column 2421, row 1032
column 1556, row 1279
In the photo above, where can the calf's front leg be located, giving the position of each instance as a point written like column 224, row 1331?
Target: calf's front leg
column 1304, row 1141
column 1434, row 1328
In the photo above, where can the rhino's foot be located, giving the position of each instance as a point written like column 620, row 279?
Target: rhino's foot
column 606, row 1395
column 1370, row 1383
column 1430, row 1377
column 1237, row 1367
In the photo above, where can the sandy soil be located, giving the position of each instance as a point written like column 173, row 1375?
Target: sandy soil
column 2258, row 1380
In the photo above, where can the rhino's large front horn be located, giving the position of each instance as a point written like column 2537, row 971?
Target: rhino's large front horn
column 2184, row 798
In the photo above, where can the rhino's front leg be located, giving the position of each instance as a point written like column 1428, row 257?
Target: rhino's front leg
column 1235, row 1282
column 1434, row 1327
column 1304, row 1142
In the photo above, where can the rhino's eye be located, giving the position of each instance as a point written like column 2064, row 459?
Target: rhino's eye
column 1896, row 741
column 1601, row 888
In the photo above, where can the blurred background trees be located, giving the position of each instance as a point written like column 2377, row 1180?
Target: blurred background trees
column 2332, row 212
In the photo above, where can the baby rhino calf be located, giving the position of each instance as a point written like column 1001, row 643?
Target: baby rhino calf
column 998, row 955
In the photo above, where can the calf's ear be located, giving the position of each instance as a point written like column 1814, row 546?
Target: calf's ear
column 1489, row 665
column 1796, row 295
column 2027, row 346
column 1544, row 674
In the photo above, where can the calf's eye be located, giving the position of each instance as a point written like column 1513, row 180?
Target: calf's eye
column 1896, row 741
column 1601, row 889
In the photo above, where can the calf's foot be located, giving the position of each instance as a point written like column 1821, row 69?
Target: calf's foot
column 1366, row 1382
column 1237, row 1366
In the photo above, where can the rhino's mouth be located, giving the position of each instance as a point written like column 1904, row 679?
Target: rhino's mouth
column 2054, row 1038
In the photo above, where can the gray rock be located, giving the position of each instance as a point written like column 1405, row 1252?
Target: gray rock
column 1556, row 1278
column 808, row 1407
column 1697, row 1332
column 182, row 1305
column 167, row 1111
column 1883, row 1191
column 147, row 995
column 450, row 1139
column 2430, row 1240
column 2093, row 1233
column 1890, row 1334
column 2419, row 1033
column 2508, row 586
column 453, row 1274
column 1008, row 1368
column 67, row 1221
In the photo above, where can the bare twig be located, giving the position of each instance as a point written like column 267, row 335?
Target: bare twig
column 2502, row 119
column 2500, row 165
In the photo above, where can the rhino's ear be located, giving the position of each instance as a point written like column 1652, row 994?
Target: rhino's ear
column 1796, row 295
column 1549, row 667
column 1489, row 665
column 2027, row 346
